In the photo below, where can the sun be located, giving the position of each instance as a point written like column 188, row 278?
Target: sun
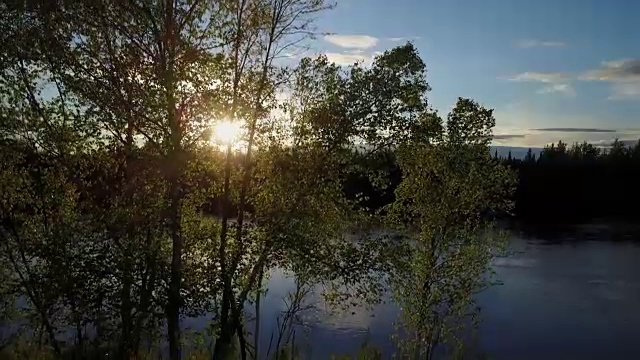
column 226, row 132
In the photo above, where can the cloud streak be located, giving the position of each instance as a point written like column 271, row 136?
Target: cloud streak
column 362, row 42
column 529, row 43
column 618, row 70
column 348, row 58
column 509, row 136
column 557, row 82
column 403, row 38
column 558, row 88
column 571, row 129
column 543, row 77
column 521, row 117
column 623, row 75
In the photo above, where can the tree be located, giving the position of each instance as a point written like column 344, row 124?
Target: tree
column 123, row 73
column 261, row 32
column 530, row 157
column 635, row 151
column 447, row 189
column 618, row 150
column 42, row 227
column 295, row 180
column 130, row 65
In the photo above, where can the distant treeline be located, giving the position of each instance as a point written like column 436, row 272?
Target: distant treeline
column 562, row 185
column 578, row 183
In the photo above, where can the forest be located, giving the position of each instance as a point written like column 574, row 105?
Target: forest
column 578, row 184
column 161, row 158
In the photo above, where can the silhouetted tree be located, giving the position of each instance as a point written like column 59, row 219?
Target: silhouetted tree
column 530, row 157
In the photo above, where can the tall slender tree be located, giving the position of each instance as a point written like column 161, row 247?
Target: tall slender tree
column 450, row 183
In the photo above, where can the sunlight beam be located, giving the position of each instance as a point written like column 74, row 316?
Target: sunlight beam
column 226, row 132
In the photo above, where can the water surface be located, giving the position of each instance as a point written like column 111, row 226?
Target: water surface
column 562, row 299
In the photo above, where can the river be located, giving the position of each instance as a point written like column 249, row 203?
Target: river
column 570, row 297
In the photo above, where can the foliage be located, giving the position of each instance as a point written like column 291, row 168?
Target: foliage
column 448, row 184
column 119, row 216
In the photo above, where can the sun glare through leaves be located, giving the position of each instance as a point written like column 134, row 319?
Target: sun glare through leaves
column 225, row 133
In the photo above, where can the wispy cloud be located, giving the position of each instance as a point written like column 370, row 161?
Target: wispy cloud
column 352, row 41
column 625, row 91
column 558, row 88
column 529, row 43
column 509, row 136
column 348, row 58
column 403, row 38
column 543, row 77
column 541, row 137
column 543, row 126
column 556, row 82
column 576, row 129
column 624, row 76
column 618, row 70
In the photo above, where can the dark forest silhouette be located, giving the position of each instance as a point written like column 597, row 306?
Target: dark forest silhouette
column 578, row 183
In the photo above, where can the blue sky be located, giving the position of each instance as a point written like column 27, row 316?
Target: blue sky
column 570, row 64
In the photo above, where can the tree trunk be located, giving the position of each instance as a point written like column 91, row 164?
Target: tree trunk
column 221, row 349
column 126, row 305
column 175, row 229
column 256, row 332
column 173, row 306
column 175, row 168
column 125, row 314
column 148, row 285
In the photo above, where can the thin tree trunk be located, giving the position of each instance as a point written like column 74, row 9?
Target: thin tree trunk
column 174, row 300
column 241, row 339
column 125, row 302
column 125, row 313
column 246, row 182
column 223, row 341
column 148, row 285
column 246, row 179
column 126, row 305
column 256, row 332
column 79, row 335
column 175, row 163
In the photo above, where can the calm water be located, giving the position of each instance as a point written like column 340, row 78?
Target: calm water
column 569, row 299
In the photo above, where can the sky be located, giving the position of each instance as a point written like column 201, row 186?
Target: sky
column 551, row 69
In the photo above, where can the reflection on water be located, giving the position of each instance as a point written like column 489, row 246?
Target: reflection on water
column 559, row 300
column 570, row 298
